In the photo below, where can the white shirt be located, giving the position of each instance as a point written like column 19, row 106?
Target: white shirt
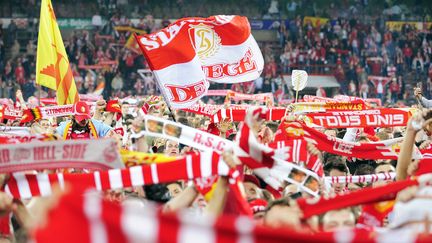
column 380, row 88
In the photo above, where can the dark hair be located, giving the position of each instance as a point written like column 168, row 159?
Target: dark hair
column 273, row 126
column 397, row 135
column 336, row 165
column 364, row 169
column 160, row 149
column 232, row 136
column 385, row 163
column 176, row 182
column 332, row 158
column 183, row 120
column 158, row 193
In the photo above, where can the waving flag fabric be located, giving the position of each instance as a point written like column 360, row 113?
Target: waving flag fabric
column 189, row 53
column 52, row 64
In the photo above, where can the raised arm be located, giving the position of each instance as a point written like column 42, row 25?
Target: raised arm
column 414, row 125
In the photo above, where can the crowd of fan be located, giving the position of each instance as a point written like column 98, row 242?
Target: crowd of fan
column 348, row 47
column 352, row 50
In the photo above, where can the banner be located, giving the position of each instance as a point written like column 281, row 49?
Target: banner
column 315, row 21
column 14, row 139
column 385, row 117
column 255, row 97
column 397, row 25
column 189, row 53
column 205, row 110
column 204, row 141
column 15, row 131
column 342, row 98
column 217, row 92
column 11, row 113
column 158, row 127
column 75, row 23
column 98, row 154
column 267, row 24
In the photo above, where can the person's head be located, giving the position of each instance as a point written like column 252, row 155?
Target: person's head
column 383, row 168
column 81, row 113
column 265, row 135
column 172, row 148
column 155, row 110
column 158, row 193
column 175, row 188
column 44, row 123
column 280, row 213
column 338, row 219
column 252, row 187
column 336, row 166
column 383, row 135
column 117, row 195
column 362, row 169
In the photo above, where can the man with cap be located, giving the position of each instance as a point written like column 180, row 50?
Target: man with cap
column 82, row 126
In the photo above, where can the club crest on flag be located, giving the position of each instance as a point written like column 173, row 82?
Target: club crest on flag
column 205, row 40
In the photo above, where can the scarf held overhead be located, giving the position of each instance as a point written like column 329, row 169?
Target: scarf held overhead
column 96, row 220
column 185, row 168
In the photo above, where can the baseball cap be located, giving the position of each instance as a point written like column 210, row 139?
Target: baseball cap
column 81, row 111
column 252, row 179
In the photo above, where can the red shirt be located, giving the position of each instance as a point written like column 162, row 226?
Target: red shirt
column 407, row 52
column 394, row 87
column 376, row 68
column 129, row 61
column 19, row 74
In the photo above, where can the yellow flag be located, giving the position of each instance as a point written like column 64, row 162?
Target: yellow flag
column 133, row 158
column 52, row 64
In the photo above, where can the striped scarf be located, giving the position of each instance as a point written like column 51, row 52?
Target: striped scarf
column 186, row 168
column 361, row 178
column 89, row 218
column 68, row 130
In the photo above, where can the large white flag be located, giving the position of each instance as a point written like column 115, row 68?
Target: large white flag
column 192, row 51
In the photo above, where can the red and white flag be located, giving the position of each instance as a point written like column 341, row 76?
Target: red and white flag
column 189, row 53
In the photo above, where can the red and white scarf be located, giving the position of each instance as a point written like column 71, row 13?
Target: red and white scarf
column 298, row 153
column 89, row 218
column 361, row 178
column 260, row 155
column 239, row 114
column 186, row 168
column 373, row 150
column 317, row 206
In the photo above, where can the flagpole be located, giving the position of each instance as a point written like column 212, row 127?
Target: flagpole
column 39, row 88
column 297, row 90
column 163, row 95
